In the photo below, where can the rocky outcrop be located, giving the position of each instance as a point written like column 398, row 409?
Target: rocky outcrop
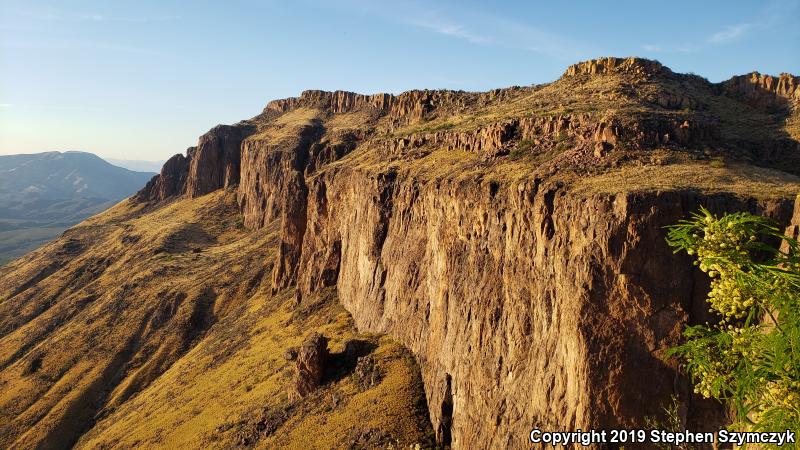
column 604, row 66
column 764, row 90
column 272, row 171
column 526, row 303
column 309, row 365
column 215, row 162
column 408, row 107
column 170, row 182
column 212, row 165
column 585, row 129
column 366, row 374
column 273, row 188
column 336, row 102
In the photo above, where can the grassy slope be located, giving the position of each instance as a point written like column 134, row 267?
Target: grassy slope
column 43, row 222
column 151, row 329
column 15, row 243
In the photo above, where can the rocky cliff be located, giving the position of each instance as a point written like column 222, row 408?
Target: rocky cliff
column 213, row 164
column 467, row 226
column 513, row 239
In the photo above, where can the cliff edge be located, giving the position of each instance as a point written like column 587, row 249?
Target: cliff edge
column 512, row 240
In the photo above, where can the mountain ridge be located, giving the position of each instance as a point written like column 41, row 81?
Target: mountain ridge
column 512, row 241
column 42, row 194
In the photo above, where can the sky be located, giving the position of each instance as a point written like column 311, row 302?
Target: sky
column 142, row 80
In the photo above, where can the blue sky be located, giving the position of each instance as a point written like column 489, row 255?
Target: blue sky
column 142, row 80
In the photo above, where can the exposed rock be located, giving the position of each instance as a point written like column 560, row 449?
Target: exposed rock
column 496, row 139
column 411, row 106
column 290, row 354
column 524, row 301
column 367, row 373
column 674, row 100
column 557, row 335
column 603, row 66
column 72, row 247
column 764, row 90
column 261, row 426
column 213, row 164
column 601, row 149
column 270, row 173
column 215, row 161
column 336, row 102
column 310, row 365
column 273, row 186
column 170, row 182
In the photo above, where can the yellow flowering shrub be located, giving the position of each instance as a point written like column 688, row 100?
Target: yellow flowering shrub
column 749, row 355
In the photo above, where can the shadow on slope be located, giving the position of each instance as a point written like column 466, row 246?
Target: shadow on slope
column 151, row 329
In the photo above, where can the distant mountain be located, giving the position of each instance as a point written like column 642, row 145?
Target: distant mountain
column 43, row 194
column 137, row 165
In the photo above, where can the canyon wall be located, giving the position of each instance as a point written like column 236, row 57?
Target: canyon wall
column 526, row 302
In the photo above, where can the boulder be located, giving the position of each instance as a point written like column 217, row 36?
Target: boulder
column 310, row 365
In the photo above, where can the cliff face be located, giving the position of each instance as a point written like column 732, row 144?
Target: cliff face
column 156, row 328
column 595, row 105
column 764, row 90
column 513, row 240
column 215, row 161
column 607, row 66
column 525, row 304
column 170, row 182
column 212, row 165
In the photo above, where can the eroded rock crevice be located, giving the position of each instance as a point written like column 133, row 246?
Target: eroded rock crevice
column 444, row 435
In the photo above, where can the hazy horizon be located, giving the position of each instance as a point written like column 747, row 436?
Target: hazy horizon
column 153, row 166
column 142, row 81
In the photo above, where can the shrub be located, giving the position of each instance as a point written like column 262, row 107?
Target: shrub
column 749, row 356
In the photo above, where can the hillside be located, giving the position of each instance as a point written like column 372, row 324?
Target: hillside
column 43, row 194
column 499, row 257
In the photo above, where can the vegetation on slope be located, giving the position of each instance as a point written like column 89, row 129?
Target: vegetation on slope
column 43, row 194
column 155, row 324
column 150, row 328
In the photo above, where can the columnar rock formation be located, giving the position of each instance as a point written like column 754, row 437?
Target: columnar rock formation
column 527, row 302
column 212, row 165
column 764, row 90
column 215, row 161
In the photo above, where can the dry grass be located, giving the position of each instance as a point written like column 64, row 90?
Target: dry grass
column 287, row 125
column 152, row 329
column 155, row 331
column 705, row 177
